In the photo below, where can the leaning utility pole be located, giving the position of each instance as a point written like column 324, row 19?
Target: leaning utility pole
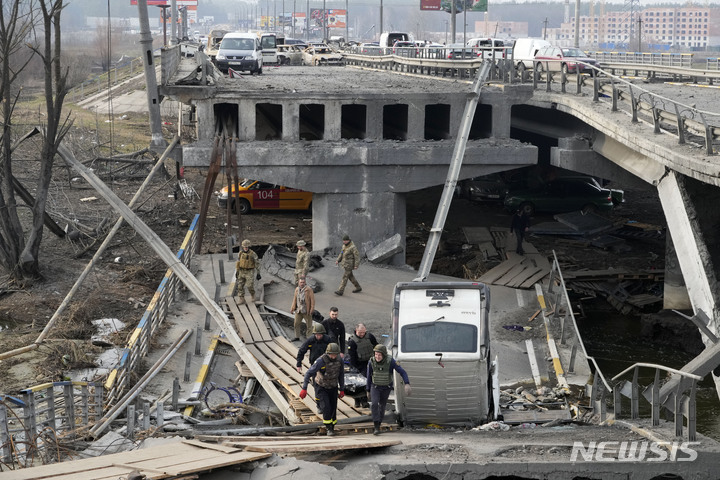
column 153, row 98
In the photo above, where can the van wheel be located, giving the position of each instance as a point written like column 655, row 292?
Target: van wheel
column 242, row 206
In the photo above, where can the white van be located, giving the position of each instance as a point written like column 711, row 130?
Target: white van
column 524, row 51
column 441, row 338
column 492, row 48
column 240, row 51
column 388, row 39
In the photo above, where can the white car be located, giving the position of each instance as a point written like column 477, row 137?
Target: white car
column 324, row 55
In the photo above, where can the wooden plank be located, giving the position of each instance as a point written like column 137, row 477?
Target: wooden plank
column 250, row 322
column 524, row 275
column 120, row 464
column 321, row 448
column 290, row 374
column 252, row 308
column 533, row 362
column 286, row 345
column 240, row 325
column 290, row 358
column 210, row 446
column 498, row 271
column 512, row 273
column 534, row 279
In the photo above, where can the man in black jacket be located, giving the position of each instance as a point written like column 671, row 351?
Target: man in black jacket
column 360, row 351
column 317, row 344
column 520, row 224
column 335, row 330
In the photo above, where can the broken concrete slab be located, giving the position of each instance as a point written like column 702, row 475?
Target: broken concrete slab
column 586, row 223
column 477, row 235
column 386, row 249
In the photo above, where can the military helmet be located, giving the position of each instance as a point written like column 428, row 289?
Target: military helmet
column 246, row 243
column 346, row 237
column 300, row 243
column 332, row 348
column 318, row 328
column 380, row 348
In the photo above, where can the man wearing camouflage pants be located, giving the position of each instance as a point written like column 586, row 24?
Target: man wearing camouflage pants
column 349, row 259
column 246, row 271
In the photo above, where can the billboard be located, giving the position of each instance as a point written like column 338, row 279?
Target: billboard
column 190, row 4
column 429, row 4
column 335, row 18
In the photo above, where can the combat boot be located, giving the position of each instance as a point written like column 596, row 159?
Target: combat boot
column 357, row 290
column 376, row 430
column 241, row 300
column 331, row 430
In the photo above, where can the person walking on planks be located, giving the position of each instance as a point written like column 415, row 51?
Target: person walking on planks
column 329, row 374
column 349, row 259
column 302, row 307
column 520, row 224
column 302, row 261
column 317, row 344
column 380, row 382
column 246, row 271
column 335, row 329
column 360, row 351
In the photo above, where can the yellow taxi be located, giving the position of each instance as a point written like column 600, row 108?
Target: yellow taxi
column 257, row 195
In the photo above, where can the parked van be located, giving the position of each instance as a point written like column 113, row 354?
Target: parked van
column 213, row 43
column 240, row 51
column 487, row 47
column 388, row 39
column 524, row 51
column 441, row 337
column 269, row 43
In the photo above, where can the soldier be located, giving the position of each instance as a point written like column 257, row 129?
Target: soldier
column 349, row 258
column 328, row 371
column 302, row 307
column 302, row 261
column 380, row 382
column 246, row 271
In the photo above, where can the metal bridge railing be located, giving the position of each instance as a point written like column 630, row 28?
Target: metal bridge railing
column 683, row 402
column 712, row 64
column 139, row 343
column 684, row 60
column 34, row 424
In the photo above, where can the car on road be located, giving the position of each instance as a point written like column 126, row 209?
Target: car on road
column 257, row 195
column 566, row 59
column 486, row 188
column 406, row 49
column 289, row 55
column 458, row 51
column 321, row 55
column 240, row 51
column 561, row 195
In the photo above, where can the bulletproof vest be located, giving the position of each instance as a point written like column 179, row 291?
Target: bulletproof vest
column 364, row 347
column 245, row 260
column 381, row 376
column 333, row 370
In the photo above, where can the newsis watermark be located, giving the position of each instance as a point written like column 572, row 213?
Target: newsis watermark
column 635, row 451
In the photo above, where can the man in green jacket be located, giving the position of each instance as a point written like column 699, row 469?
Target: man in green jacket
column 349, row 259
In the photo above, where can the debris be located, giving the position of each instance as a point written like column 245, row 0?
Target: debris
column 496, row 425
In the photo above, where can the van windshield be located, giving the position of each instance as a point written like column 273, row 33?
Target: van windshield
column 439, row 336
column 238, row 44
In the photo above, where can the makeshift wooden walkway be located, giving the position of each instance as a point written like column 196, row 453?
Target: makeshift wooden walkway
column 277, row 357
column 164, row 461
column 517, row 271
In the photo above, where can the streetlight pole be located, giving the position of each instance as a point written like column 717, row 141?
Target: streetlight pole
column 324, row 23
column 292, row 20
column 347, row 22
column 381, row 20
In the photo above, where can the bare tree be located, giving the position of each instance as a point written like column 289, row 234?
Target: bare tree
column 16, row 24
column 18, row 256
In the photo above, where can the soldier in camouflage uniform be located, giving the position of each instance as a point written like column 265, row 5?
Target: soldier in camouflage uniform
column 349, row 259
column 246, row 271
column 302, row 261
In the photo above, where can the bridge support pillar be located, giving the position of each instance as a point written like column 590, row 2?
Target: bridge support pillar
column 692, row 216
column 369, row 218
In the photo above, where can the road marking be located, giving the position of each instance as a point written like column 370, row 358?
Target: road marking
column 520, row 298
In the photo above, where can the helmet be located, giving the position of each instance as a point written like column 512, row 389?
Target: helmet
column 332, row 348
column 380, row 348
column 318, row 328
column 300, row 243
column 246, row 243
column 346, row 237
